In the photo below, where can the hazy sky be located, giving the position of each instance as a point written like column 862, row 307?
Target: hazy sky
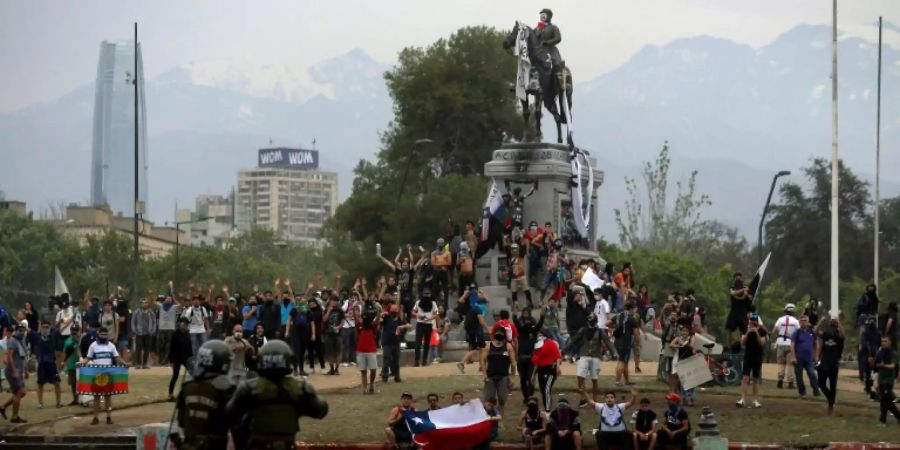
column 47, row 48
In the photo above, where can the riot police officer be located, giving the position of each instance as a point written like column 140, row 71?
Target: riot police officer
column 202, row 400
column 269, row 406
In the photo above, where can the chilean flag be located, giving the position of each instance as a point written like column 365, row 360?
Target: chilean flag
column 451, row 428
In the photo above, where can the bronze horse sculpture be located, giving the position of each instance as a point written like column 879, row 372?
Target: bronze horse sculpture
column 552, row 83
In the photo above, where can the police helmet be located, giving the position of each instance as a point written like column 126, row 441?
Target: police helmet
column 213, row 358
column 275, row 358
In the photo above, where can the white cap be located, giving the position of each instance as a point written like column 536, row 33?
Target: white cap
column 789, row 307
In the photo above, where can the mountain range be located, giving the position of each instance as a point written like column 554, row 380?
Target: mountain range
column 736, row 114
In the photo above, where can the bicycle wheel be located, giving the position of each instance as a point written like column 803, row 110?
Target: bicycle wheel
column 730, row 373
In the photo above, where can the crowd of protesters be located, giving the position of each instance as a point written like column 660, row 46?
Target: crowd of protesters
column 430, row 293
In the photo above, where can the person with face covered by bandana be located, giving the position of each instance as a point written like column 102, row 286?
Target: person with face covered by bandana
column 589, row 340
column 441, row 261
column 529, row 330
column 563, row 431
column 102, row 352
column 465, row 267
column 424, row 311
column 532, row 422
column 499, row 360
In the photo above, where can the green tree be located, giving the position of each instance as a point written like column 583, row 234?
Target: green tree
column 455, row 92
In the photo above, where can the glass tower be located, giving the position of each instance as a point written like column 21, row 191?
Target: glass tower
column 112, row 162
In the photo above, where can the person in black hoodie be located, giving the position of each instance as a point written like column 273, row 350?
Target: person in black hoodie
column 180, row 352
column 528, row 334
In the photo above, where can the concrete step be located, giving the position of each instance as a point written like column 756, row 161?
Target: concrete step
column 70, row 442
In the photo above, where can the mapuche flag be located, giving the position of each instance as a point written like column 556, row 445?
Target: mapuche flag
column 450, row 428
column 95, row 379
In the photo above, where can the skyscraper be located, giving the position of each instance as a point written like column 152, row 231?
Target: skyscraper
column 112, row 162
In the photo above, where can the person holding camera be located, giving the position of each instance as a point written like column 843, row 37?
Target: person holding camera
column 754, row 343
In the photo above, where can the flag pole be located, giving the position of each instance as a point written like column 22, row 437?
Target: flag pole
column 835, row 310
column 877, row 161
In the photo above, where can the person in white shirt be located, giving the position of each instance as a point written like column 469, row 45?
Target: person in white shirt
column 784, row 328
column 424, row 311
column 602, row 310
column 612, row 429
column 199, row 323
column 102, row 352
column 65, row 318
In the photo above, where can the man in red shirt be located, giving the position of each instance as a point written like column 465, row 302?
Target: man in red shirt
column 367, row 323
column 546, row 360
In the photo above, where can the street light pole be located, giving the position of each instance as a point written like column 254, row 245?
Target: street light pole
column 136, row 255
column 835, row 180
column 409, row 158
column 877, row 161
column 759, row 246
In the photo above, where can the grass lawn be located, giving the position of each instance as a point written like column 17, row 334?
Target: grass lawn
column 354, row 417
column 150, row 388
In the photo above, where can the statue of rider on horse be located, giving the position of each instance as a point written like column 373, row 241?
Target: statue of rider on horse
column 542, row 72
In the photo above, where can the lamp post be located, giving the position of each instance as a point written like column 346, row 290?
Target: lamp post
column 759, row 248
column 136, row 253
column 412, row 150
column 178, row 240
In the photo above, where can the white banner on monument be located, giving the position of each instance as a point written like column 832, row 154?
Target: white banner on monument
column 692, row 371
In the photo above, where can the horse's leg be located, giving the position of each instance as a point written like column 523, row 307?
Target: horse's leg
column 564, row 118
column 525, row 112
column 537, row 116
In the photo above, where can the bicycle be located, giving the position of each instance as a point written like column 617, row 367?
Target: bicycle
column 723, row 373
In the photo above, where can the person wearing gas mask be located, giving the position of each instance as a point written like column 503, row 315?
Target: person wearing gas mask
column 499, row 360
column 589, row 340
column 563, row 431
column 424, row 311
column 202, row 400
column 270, row 406
column 528, row 335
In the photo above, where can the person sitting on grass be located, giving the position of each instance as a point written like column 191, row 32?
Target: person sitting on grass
column 397, row 431
column 563, row 431
column 677, row 426
column 434, row 402
column 490, row 407
column 612, row 428
column 644, row 427
column 459, row 399
column 532, row 422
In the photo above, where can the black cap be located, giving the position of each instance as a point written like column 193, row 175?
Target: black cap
column 548, row 11
column 406, row 395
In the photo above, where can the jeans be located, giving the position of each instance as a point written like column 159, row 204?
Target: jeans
column 316, row 349
column 299, row 339
column 440, row 285
column 391, row 364
column 163, row 342
column 886, row 401
column 828, row 382
column 197, row 341
column 799, row 367
column 423, row 339
column 525, row 368
column 176, row 369
column 348, row 345
column 142, row 344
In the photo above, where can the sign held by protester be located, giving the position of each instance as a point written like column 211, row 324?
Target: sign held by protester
column 692, row 371
column 591, row 279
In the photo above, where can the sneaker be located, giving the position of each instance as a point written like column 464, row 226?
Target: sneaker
column 352, row 364
column 345, row 365
column 790, row 384
column 817, row 393
column 756, row 404
column 436, row 360
column 18, row 419
column 324, row 371
column 582, row 403
column 384, row 379
column 108, row 420
column 40, row 405
column 95, row 421
column 801, row 397
column 739, row 403
column 461, row 367
column 879, row 424
column 637, row 370
column 336, row 371
column 371, row 388
column 780, row 384
column 302, row 373
column 398, row 380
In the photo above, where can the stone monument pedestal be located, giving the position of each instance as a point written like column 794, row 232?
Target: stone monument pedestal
column 548, row 165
